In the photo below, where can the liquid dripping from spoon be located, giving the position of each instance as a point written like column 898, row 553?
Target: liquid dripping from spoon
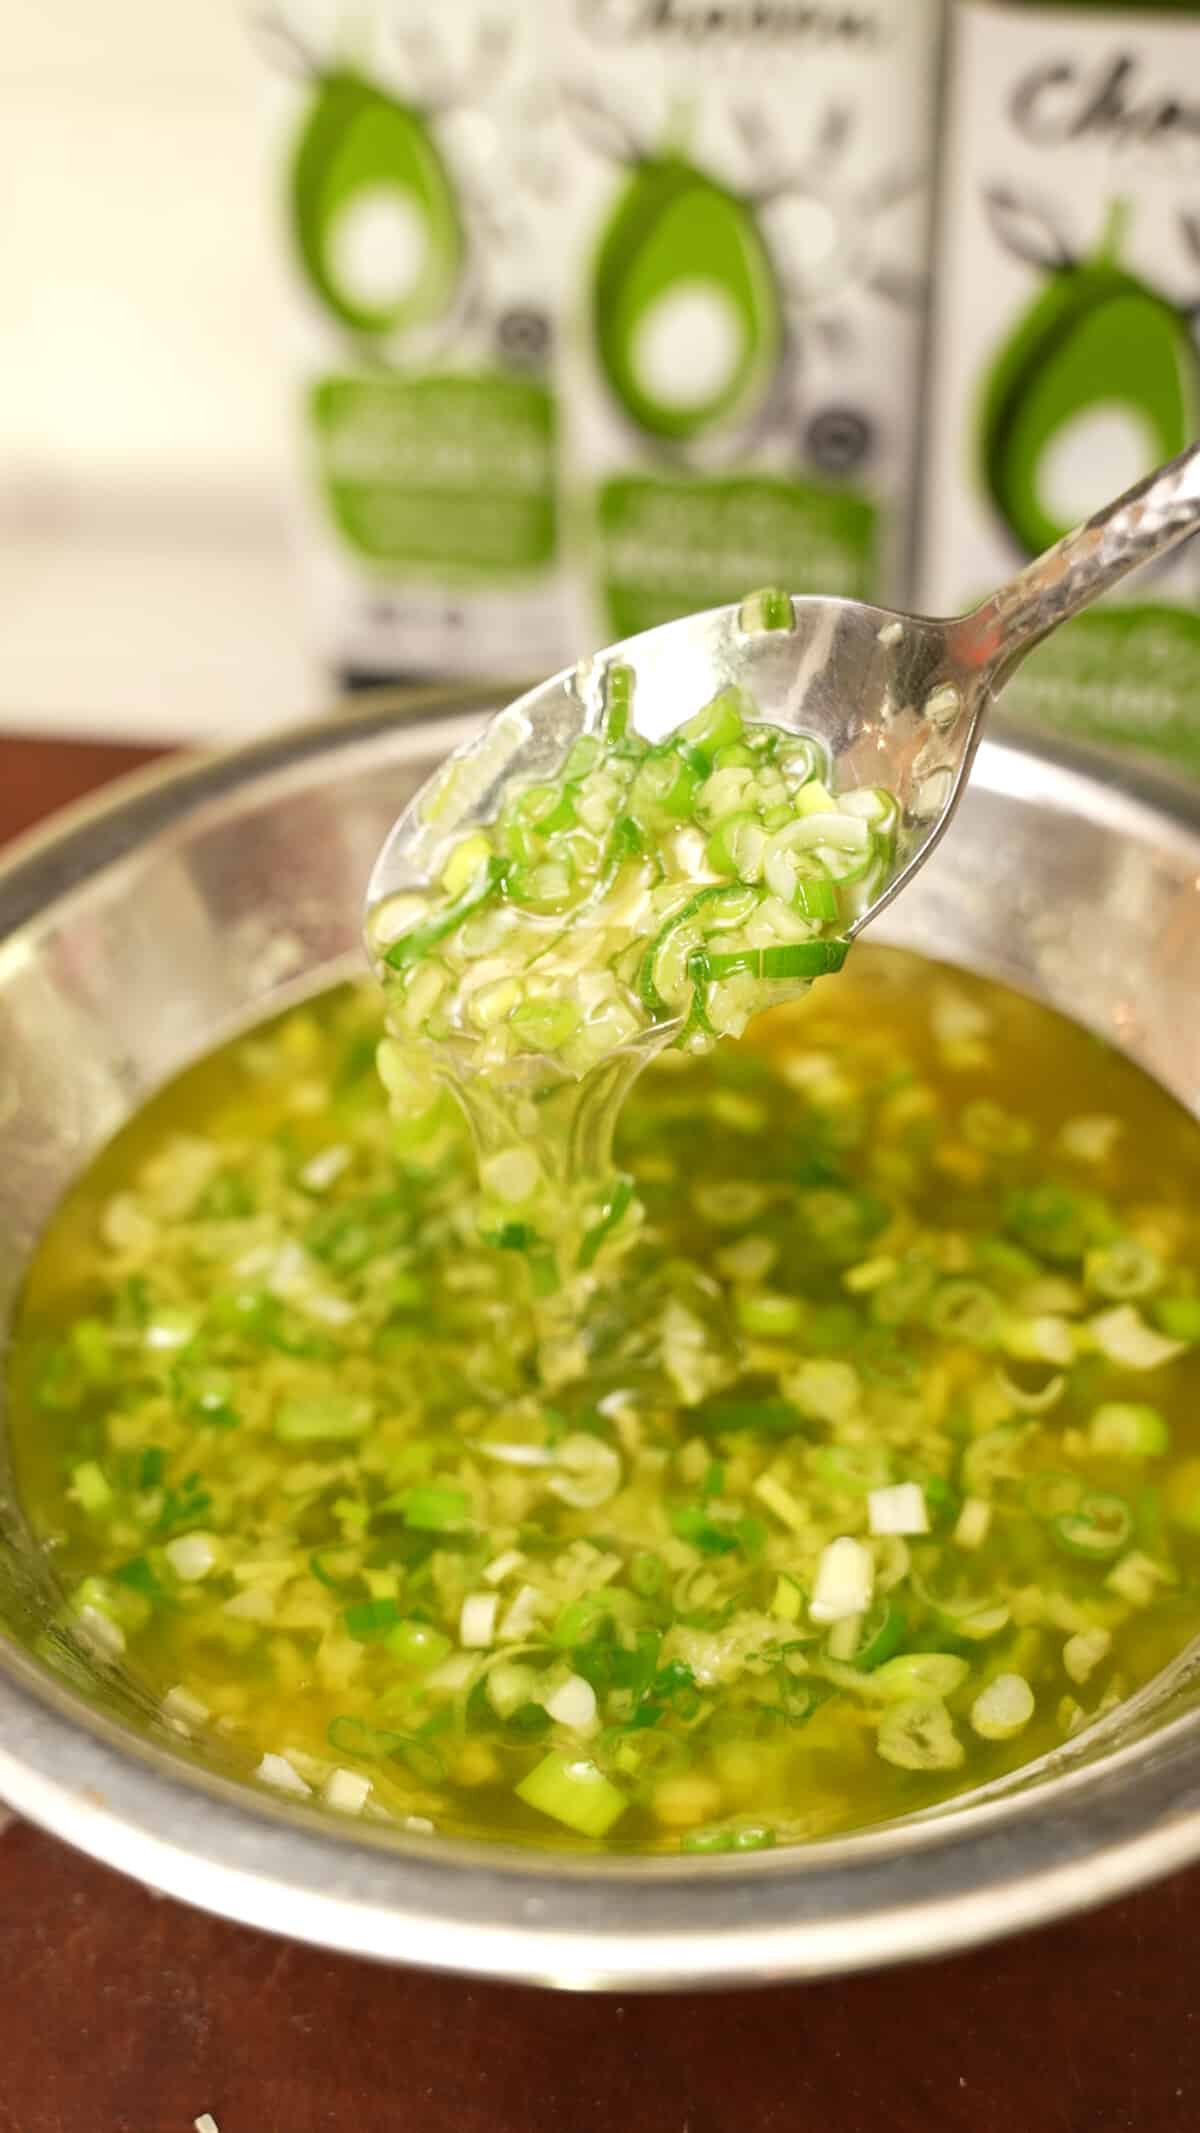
column 645, row 897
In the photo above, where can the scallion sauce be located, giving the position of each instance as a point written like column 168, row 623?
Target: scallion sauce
column 871, row 1470
column 647, row 896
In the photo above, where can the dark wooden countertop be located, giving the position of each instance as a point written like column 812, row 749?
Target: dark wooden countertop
column 38, row 776
column 123, row 2013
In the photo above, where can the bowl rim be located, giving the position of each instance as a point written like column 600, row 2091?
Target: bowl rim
column 921, row 1887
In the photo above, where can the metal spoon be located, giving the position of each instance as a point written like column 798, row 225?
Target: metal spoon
column 899, row 700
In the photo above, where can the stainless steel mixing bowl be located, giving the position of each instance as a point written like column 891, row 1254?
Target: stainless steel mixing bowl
column 144, row 930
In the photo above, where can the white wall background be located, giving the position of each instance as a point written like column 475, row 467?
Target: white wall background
column 146, row 583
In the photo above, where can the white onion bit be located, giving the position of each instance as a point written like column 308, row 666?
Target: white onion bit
column 522, row 1614
column 276, row 1770
column 1085, row 1651
column 1005, row 1707
column 573, row 1703
column 192, row 1556
column 323, row 1169
column 593, row 1472
column 845, row 1576
column 502, row 1566
column 898, row 1510
column 1124, row 1337
column 973, row 1522
column 1089, row 1138
column 477, row 1621
column 347, row 1791
column 181, row 1709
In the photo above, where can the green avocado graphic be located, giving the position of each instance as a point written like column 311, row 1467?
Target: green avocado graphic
column 687, row 313
column 1096, row 342
column 373, row 208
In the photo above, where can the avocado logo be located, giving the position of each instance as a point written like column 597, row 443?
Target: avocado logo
column 704, row 291
column 1099, row 383
column 688, row 314
column 374, row 212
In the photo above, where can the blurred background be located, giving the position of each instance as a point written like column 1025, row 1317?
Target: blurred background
column 345, row 340
column 147, row 582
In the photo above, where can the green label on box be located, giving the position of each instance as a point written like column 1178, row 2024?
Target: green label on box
column 1126, row 676
column 449, row 475
column 668, row 548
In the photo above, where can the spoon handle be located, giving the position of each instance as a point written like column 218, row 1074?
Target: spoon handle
column 1152, row 517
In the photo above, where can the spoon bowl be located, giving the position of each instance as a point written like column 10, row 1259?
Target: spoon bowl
column 884, row 692
column 897, row 700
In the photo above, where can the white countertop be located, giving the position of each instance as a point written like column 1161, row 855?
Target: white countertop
column 139, row 623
